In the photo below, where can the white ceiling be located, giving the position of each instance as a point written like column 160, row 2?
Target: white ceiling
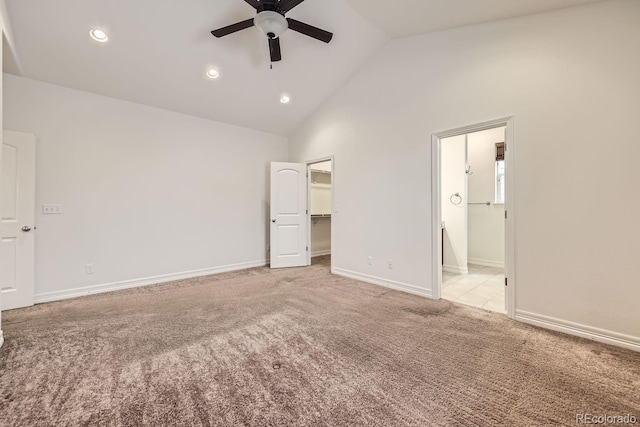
column 410, row 17
column 158, row 51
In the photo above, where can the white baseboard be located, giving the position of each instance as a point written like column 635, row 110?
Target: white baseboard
column 320, row 253
column 455, row 269
column 404, row 287
column 134, row 283
column 486, row 263
column 584, row 331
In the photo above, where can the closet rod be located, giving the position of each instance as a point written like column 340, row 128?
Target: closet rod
column 482, row 203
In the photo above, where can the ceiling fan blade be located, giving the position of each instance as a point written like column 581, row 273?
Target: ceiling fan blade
column 286, row 5
column 274, row 49
column 254, row 3
column 309, row 30
column 225, row 31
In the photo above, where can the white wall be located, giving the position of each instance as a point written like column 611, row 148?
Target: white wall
column 454, row 216
column 570, row 78
column 2, row 27
column 320, row 236
column 144, row 192
column 486, row 224
column 322, row 166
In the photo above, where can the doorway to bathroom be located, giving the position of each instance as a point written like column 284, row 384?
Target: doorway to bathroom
column 472, row 214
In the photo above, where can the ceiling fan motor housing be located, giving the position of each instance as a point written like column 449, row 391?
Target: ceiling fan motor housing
column 271, row 23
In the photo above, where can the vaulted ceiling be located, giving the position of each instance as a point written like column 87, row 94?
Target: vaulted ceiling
column 159, row 51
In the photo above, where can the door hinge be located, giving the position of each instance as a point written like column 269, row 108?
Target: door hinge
column 505, row 214
column 506, row 281
column 307, row 211
column 307, row 248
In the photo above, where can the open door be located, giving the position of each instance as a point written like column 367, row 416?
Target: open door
column 289, row 223
column 17, row 225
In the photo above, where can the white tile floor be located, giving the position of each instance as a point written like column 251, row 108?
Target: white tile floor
column 483, row 287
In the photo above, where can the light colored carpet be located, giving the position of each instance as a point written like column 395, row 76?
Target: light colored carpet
column 297, row 347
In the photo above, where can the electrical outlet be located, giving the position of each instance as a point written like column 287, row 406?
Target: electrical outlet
column 89, row 269
column 370, row 260
column 49, row 209
column 390, row 264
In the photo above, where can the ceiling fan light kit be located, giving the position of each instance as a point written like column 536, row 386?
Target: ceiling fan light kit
column 271, row 20
column 272, row 24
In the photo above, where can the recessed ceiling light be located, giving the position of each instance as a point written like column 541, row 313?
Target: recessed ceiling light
column 98, row 35
column 285, row 99
column 212, row 73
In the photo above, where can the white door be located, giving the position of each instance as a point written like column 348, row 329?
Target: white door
column 289, row 215
column 17, row 225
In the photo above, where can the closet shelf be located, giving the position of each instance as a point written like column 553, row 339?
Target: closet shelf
column 320, row 215
column 319, row 171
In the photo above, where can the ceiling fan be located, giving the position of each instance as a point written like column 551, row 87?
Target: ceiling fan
column 272, row 22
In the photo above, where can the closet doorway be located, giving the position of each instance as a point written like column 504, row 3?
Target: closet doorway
column 472, row 196
column 320, row 179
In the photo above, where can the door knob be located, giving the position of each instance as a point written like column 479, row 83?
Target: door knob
column 26, row 228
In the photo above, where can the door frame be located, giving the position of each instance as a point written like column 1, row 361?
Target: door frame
column 333, row 241
column 436, row 201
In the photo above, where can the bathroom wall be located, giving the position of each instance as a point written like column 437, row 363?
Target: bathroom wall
column 486, row 225
column 453, row 178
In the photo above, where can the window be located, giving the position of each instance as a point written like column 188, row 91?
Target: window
column 499, row 199
column 499, row 182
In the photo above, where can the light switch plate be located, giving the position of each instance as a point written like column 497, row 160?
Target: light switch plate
column 49, row 209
